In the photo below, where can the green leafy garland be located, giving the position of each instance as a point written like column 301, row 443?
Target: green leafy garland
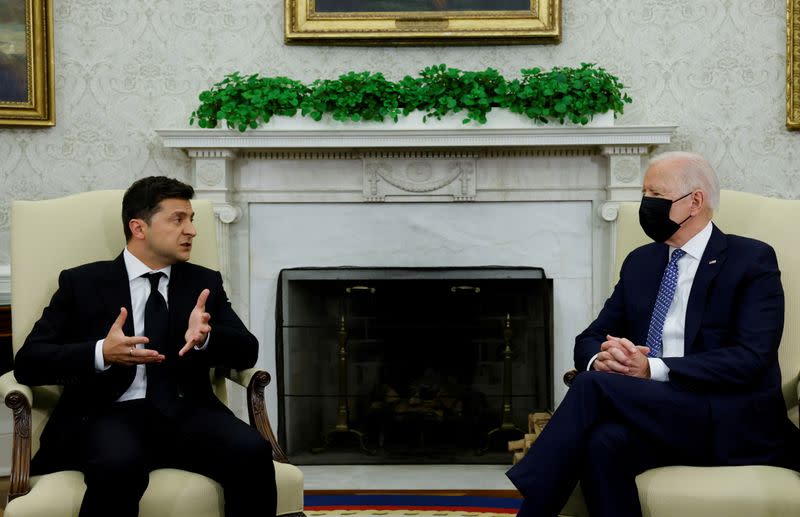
column 563, row 93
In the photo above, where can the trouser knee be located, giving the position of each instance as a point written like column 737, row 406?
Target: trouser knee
column 117, row 472
column 608, row 440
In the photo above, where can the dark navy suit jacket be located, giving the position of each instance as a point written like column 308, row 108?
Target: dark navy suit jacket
column 734, row 322
column 60, row 348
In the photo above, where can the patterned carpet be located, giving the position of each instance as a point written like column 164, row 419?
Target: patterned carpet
column 396, row 505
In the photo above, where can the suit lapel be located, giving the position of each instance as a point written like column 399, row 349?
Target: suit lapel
column 710, row 265
column 180, row 305
column 116, row 292
column 649, row 273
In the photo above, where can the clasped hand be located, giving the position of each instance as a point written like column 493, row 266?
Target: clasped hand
column 121, row 349
column 620, row 355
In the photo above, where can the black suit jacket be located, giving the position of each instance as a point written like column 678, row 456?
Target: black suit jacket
column 60, row 348
column 734, row 322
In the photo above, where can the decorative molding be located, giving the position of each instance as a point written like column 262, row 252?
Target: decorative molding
column 453, row 179
column 625, row 149
column 624, row 171
column 623, row 137
column 406, row 164
column 493, row 152
column 209, row 174
column 227, row 213
column 627, row 169
column 406, row 154
column 300, row 155
column 211, row 153
column 609, row 211
column 556, row 152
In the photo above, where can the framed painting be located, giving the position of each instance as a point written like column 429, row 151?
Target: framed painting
column 26, row 63
column 793, row 64
column 422, row 22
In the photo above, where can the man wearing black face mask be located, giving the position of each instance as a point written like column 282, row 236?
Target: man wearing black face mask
column 680, row 366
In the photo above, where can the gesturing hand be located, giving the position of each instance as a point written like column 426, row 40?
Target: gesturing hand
column 121, row 349
column 198, row 327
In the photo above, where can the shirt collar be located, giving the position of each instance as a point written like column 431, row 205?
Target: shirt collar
column 136, row 267
column 695, row 246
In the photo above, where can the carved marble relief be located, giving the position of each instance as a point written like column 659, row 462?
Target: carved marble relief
column 419, row 177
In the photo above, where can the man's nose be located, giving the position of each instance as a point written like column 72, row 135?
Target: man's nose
column 189, row 229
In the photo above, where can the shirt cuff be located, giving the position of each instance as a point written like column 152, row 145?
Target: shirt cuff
column 99, row 364
column 591, row 362
column 208, row 336
column 659, row 371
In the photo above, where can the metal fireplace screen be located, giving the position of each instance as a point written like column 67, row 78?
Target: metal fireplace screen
column 411, row 365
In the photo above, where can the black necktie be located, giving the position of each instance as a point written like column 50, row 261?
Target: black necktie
column 161, row 389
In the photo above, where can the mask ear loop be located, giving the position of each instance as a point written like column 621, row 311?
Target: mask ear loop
column 690, row 215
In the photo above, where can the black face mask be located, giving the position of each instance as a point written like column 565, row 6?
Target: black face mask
column 654, row 218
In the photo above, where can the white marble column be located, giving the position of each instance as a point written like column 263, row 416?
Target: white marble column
column 213, row 180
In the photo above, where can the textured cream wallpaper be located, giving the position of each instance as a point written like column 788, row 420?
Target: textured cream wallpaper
column 715, row 68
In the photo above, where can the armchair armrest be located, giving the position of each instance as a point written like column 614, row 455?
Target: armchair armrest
column 794, row 411
column 570, row 376
column 9, row 384
column 255, row 381
column 19, row 399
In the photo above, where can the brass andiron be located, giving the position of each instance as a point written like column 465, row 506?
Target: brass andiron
column 507, row 422
column 342, row 414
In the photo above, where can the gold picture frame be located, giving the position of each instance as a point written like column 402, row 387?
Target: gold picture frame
column 793, row 64
column 422, row 22
column 27, row 96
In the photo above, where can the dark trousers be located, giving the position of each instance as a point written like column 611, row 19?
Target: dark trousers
column 129, row 439
column 608, row 429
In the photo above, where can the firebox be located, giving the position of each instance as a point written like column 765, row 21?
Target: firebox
column 411, row 365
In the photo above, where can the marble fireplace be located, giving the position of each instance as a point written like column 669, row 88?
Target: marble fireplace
column 418, row 198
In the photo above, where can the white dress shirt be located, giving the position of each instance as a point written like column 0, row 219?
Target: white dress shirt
column 140, row 291
column 675, row 323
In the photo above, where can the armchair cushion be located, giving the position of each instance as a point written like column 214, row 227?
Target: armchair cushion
column 171, row 493
column 752, row 491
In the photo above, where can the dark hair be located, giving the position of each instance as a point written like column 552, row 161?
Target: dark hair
column 142, row 199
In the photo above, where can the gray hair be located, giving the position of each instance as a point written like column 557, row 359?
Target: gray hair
column 695, row 174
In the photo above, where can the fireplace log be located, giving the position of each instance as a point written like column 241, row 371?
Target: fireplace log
column 536, row 422
column 516, row 445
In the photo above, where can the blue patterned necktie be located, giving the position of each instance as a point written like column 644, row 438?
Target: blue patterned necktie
column 666, row 292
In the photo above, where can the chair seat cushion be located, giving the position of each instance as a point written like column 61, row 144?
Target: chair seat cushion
column 750, row 491
column 171, row 493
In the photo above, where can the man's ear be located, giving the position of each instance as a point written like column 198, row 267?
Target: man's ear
column 136, row 227
column 698, row 201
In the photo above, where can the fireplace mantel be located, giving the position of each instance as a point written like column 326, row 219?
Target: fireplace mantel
column 469, row 137
column 275, row 190
column 450, row 157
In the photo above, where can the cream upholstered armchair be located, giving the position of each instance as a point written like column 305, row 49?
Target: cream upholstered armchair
column 46, row 237
column 749, row 491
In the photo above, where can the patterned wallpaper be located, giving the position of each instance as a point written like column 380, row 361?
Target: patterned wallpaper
column 715, row 68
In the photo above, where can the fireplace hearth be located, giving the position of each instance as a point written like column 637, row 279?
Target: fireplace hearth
column 411, row 365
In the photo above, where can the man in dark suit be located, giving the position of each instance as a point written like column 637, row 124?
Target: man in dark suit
column 681, row 365
column 132, row 340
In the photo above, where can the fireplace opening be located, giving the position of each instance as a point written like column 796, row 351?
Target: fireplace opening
column 411, row 365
